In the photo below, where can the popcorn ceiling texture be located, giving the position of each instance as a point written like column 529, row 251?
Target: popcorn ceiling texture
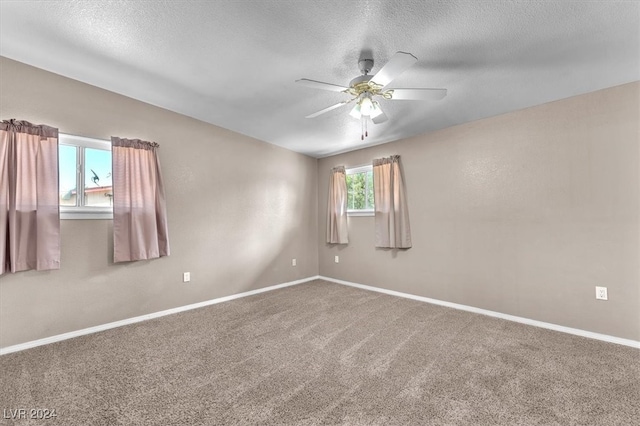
column 322, row 353
column 233, row 64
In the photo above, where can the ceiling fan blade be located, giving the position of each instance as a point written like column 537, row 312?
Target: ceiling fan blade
column 320, row 85
column 416, row 94
column 332, row 107
column 396, row 66
column 380, row 118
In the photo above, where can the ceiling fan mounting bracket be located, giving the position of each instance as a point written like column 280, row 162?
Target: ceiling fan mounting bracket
column 365, row 65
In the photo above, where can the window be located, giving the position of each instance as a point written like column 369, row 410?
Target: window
column 84, row 167
column 360, row 191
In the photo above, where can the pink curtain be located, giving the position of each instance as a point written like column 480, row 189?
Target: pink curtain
column 139, row 212
column 337, row 232
column 29, row 213
column 392, row 214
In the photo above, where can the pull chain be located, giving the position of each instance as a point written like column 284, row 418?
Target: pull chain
column 365, row 132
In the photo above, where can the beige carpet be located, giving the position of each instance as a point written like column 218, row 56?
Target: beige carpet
column 321, row 353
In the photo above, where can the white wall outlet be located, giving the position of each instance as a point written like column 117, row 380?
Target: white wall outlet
column 186, row 277
column 294, row 262
column 601, row 293
column 337, row 259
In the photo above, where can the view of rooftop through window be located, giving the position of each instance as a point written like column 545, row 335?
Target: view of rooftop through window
column 93, row 166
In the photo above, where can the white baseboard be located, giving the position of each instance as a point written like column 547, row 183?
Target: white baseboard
column 98, row 328
column 541, row 324
column 72, row 334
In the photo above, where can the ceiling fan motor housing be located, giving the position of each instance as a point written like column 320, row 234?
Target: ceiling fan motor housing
column 359, row 79
column 363, row 84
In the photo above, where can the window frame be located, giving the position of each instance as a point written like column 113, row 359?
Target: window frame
column 80, row 211
column 353, row 171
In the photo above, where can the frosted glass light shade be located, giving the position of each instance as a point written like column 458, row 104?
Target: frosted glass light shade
column 366, row 106
column 376, row 111
column 355, row 112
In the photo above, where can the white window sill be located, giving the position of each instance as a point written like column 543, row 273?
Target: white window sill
column 360, row 213
column 86, row 213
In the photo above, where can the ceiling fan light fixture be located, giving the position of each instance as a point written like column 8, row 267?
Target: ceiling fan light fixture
column 355, row 112
column 375, row 111
column 366, row 106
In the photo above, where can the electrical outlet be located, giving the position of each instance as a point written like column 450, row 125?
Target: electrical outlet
column 337, row 259
column 186, row 277
column 601, row 293
column 294, row 262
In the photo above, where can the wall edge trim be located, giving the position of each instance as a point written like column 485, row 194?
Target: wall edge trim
column 522, row 320
column 140, row 318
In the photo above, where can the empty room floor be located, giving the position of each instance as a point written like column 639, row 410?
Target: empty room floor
column 323, row 353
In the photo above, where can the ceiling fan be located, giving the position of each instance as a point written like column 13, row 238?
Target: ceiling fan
column 366, row 89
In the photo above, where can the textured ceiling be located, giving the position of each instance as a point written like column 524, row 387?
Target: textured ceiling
column 234, row 63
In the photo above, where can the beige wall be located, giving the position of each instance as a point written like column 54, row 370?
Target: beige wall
column 259, row 213
column 523, row 214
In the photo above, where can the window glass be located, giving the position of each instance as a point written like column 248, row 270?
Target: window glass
column 370, row 190
column 84, row 167
column 360, row 190
column 67, row 158
column 97, row 178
